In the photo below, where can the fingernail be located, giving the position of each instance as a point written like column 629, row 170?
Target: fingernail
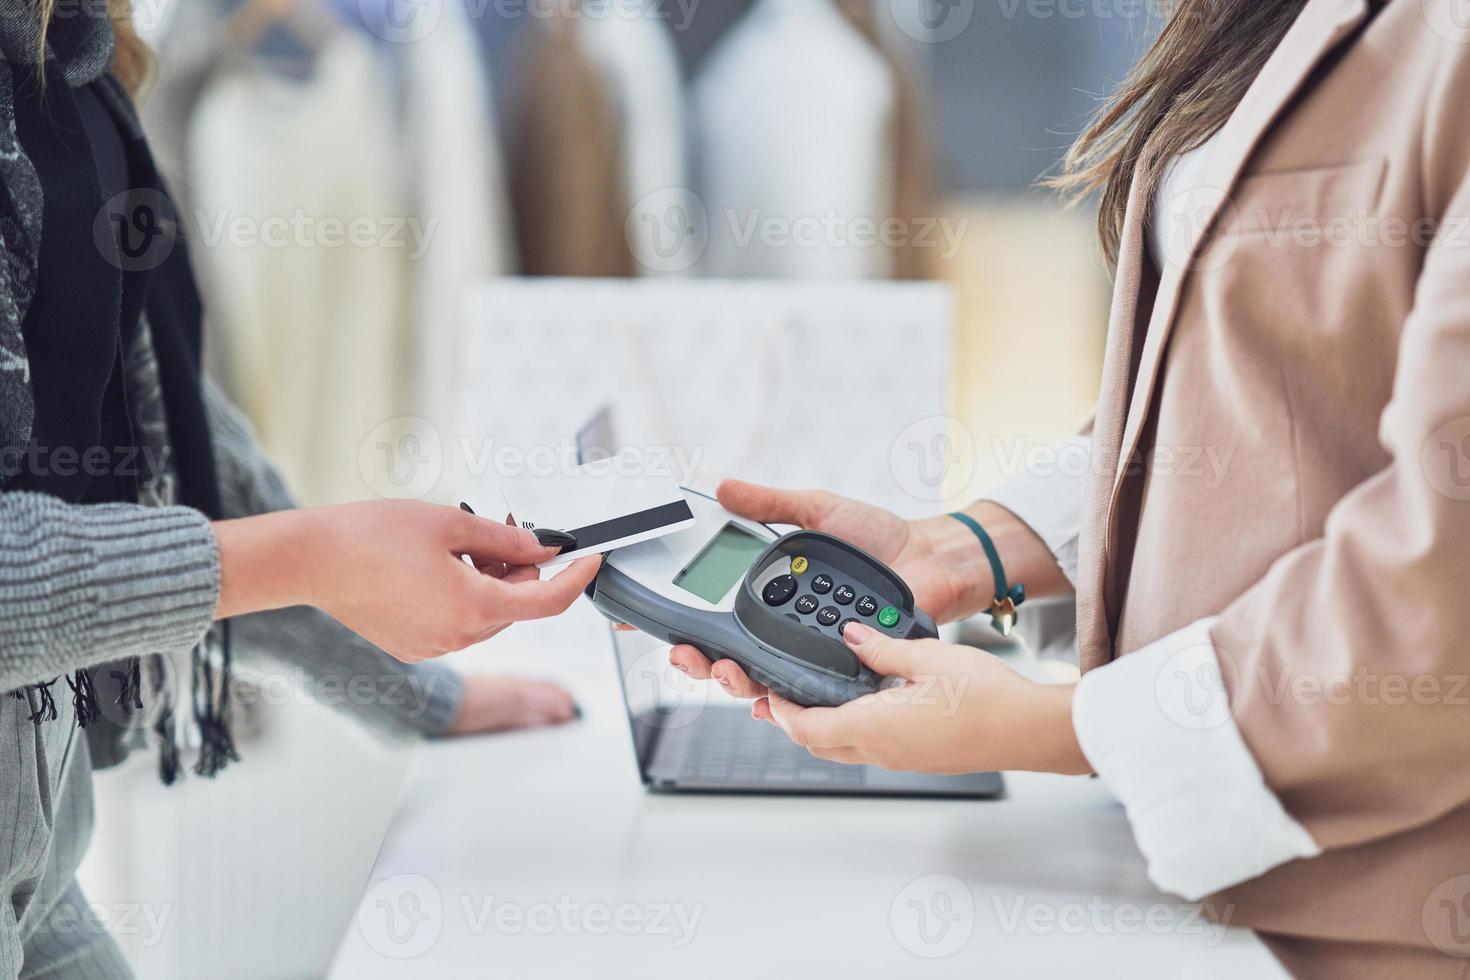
column 548, row 538
column 856, row 634
column 724, row 681
column 466, row 508
column 681, row 667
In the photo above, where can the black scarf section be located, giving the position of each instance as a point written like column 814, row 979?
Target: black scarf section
column 111, row 251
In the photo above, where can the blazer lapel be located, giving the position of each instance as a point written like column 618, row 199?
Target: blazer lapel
column 1321, row 25
column 1093, row 635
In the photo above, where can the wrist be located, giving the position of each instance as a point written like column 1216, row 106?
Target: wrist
column 959, row 562
column 960, row 556
column 318, row 541
column 1049, row 737
column 1026, row 558
column 271, row 561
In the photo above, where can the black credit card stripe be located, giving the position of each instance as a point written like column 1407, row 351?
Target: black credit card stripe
column 596, row 535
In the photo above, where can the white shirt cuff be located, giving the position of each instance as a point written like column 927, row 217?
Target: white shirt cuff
column 1157, row 728
column 1048, row 497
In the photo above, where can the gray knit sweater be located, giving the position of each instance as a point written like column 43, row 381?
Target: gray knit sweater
column 82, row 585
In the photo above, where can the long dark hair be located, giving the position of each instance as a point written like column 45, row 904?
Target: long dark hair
column 1178, row 95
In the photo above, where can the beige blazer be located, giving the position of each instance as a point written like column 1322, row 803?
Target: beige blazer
column 1317, row 340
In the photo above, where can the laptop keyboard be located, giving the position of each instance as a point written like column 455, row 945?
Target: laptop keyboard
column 728, row 746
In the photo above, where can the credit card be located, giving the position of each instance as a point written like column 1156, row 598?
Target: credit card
column 605, row 504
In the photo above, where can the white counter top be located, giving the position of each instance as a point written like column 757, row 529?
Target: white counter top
column 540, row 855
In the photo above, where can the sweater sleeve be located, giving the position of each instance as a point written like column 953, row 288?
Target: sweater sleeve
column 338, row 667
column 304, row 650
column 84, row 584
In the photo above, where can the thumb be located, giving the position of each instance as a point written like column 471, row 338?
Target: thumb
column 769, row 505
column 887, row 655
column 486, row 540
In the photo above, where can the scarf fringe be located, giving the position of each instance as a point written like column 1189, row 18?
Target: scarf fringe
column 46, row 711
column 210, row 689
column 212, row 707
column 168, row 746
column 130, row 685
column 84, row 698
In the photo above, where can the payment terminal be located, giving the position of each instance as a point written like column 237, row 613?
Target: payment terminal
column 775, row 604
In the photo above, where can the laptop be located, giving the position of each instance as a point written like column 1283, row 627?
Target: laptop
column 689, row 738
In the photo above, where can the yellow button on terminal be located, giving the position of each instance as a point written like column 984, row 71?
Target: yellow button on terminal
column 798, row 565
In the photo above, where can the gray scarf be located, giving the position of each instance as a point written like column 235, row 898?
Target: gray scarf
column 82, row 49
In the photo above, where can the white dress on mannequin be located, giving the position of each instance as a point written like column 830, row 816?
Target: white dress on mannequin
column 317, row 327
column 793, row 113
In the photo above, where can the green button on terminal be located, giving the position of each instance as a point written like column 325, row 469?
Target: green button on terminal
column 888, row 616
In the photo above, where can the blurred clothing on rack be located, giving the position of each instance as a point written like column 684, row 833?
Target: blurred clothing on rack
column 344, row 191
column 456, row 180
column 567, row 168
column 600, row 129
column 313, row 332
column 640, row 68
column 913, row 197
column 800, row 156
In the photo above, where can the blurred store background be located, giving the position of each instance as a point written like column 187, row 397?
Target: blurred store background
column 355, row 177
